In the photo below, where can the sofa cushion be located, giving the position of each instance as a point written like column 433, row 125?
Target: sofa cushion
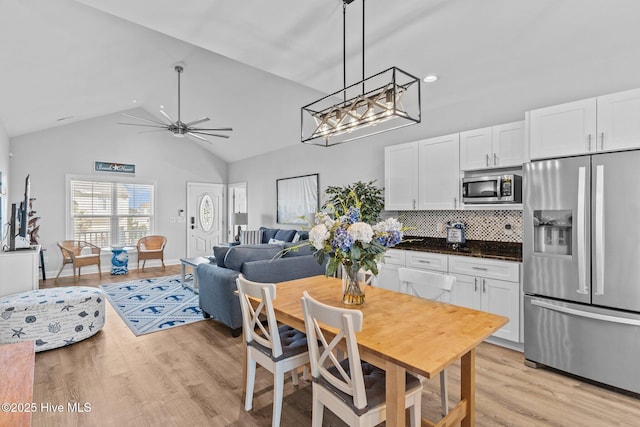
column 268, row 234
column 285, row 235
column 220, row 252
column 238, row 255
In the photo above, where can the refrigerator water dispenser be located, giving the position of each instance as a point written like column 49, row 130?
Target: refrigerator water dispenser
column 552, row 232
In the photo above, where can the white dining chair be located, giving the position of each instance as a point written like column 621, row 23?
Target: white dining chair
column 278, row 349
column 352, row 389
column 433, row 286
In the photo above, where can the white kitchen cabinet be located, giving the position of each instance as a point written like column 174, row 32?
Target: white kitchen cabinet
column 388, row 270
column 401, row 177
column 605, row 123
column 563, row 130
column 489, row 285
column 493, row 147
column 618, row 126
column 427, row 261
column 439, row 173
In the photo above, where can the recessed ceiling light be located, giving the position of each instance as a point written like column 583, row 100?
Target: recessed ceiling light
column 134, row 101
column 431, row 78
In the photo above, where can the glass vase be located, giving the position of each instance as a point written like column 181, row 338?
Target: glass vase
column 352, row 285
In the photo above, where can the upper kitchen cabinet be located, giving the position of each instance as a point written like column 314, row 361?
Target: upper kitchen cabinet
column 401, row 177
column 493, row 147
column 605, row 123
column 618, row 125
column 439, row 173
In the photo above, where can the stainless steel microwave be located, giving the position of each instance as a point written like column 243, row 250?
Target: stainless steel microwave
column 492, row 189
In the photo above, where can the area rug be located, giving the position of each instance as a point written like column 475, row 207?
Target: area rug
column 151, row 305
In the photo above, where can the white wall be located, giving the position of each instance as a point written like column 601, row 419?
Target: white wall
column 72, row 149
column 4, row 168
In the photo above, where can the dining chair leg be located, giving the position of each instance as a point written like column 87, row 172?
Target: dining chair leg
column 251, row 378
column 317, row 410
column 444, row 393
column 294, row 377
column 278, row 393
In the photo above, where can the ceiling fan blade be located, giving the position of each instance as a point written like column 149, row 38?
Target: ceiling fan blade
column 209, row 134
column 195, row 122
column 171, row 121
column 158, row 130
column 161, row 126
column 141, row 118
column 212, row 129
column 199, row 137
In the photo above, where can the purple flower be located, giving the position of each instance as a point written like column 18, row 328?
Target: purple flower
column 341, row 240
column 390, row 238
column 353, row 215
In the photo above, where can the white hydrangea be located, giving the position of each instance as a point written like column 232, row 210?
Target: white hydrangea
column 318, row 235
column 361, row 231
column 324, row 218
column 389, row 224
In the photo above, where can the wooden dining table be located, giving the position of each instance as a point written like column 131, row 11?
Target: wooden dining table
column 403, row 333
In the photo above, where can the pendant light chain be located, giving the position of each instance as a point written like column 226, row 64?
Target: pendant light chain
column 363, row 47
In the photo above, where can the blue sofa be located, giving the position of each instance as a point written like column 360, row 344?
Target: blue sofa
column 260, row 263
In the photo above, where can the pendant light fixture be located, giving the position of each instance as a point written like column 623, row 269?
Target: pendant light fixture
column 385, row 101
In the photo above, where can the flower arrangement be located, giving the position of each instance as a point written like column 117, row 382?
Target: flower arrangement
column 353, row 244
column 348, row 241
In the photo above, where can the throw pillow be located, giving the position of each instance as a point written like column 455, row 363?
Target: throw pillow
column 285, row 235
column 220, row 252
column 268, row 234
column 276, row 242
column 250, row 237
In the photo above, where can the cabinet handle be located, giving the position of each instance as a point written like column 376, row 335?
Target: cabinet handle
column 495, row 159
column 414, row 203
column 424, row 261
column 455, row 203
column 479, row 268
column 475, row 284
column 487, row 159
column 589, row 142
column 602, row 141
column 484, row 286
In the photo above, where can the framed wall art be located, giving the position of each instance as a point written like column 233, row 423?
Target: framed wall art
column 297, row 197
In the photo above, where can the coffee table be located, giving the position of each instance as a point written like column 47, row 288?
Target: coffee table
column 192, row 282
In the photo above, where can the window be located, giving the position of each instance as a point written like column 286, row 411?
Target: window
column 108, row 213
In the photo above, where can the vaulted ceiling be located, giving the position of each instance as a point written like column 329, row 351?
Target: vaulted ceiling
column 62, row 60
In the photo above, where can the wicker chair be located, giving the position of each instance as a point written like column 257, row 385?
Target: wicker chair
column 80, row 254
column 151, row 247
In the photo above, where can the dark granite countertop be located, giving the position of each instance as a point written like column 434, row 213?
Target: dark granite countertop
column 506, row 251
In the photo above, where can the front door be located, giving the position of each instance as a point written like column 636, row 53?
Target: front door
column 205, row 222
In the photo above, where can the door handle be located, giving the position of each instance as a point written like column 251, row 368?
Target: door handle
column 580, row 225
column 193, row 222
column 599, row 232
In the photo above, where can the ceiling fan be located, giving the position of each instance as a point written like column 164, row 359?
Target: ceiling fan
column 178, row 127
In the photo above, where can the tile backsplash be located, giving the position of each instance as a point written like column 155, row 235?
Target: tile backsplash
column 481, row 224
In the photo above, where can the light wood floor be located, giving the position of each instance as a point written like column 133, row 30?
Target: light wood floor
column 191, row 376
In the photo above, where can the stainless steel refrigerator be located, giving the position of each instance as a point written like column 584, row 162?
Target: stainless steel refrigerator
column 581, row 253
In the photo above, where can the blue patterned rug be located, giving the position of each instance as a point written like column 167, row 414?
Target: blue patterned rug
column 150, row 305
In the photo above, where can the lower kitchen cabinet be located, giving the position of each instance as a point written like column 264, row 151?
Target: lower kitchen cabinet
column 494, row 296
column 482, row 284
column 481, row 290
